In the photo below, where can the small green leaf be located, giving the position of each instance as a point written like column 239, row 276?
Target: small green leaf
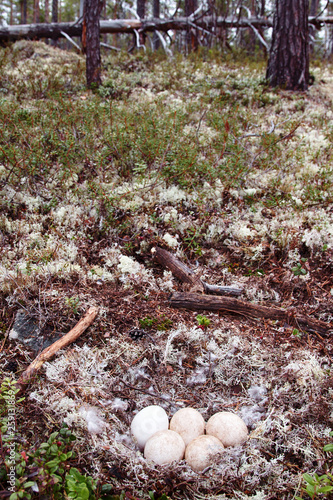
column 54, row 448
column 309, row 479
column 321, row 478
column 83, row 492
column 52, row 463
column 72, row 494
column 325, row 489
column 310, row 488
column 28, row 484
column 107, row 488
column 328, row 447
column 75, row 473
column 71, row 483
column 52, row 437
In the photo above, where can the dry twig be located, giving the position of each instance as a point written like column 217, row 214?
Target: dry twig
column 50, row 351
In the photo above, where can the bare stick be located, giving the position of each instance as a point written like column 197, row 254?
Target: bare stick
column 184, row 274
column 196, row 301
column 70, row 40
column 50, row 351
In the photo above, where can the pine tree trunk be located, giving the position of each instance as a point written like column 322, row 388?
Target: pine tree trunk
column 141, row 8
column 141, row 11
column 288, row 65
column 36, row 11
column 92, row 33
column 11, row 20
column 23, row 5
column 24, row 17
column 46, row 10
column 156, row 14
column 191, row 35
column 54, row 18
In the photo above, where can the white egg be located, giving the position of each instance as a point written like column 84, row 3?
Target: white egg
column 228, row 428
column 147, row 422
column 165, row 447
column 200, row 453
column 189, row 423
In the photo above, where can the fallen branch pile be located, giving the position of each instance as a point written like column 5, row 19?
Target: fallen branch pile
column 201, row 301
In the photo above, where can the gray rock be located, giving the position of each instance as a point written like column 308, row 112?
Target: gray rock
column 27, row 331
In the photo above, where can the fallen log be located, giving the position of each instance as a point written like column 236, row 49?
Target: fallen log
column 184, row 274
column 195, row 301
column 50, row 351
column 57, row 30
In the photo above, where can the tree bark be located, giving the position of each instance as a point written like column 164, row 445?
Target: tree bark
column 191, row 35
column 156, row 15
column 54, row 18
column 46, row 10
column 54, row 11
column 93, row 51
column 11, row 18
column 24, row 18
column 195, row 301
column 36, row 11
column 141, row 8
column 288, row 65
column 141, row 12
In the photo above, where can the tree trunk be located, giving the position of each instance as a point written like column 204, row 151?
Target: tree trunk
column 54, row 11
column 11, row 20
column 54, row 18
column 191, row 35
column 141, row 8
column 141, row 11
column 288, row 65
column 93, row 51
column 47, row 14
column 36, row 11
column 24, row 18
column 156, row 14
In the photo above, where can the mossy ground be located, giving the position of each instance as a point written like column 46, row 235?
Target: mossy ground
column 196, row 155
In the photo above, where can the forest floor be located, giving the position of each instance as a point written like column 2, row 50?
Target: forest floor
column 199, row 157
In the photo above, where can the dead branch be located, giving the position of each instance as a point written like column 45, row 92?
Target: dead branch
column 195, row 301
column 184, row 274
column 50, row 351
